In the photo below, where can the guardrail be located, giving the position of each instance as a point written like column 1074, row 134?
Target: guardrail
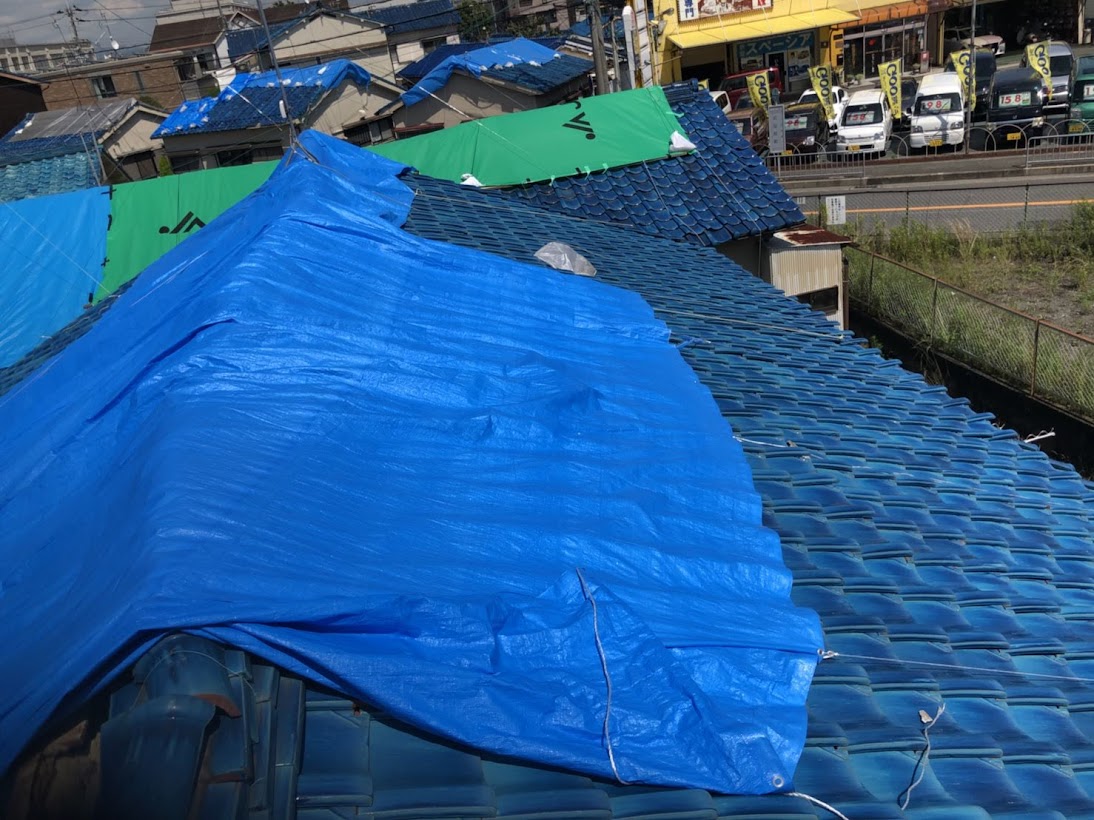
column 1036, row 357
column 1059, row 143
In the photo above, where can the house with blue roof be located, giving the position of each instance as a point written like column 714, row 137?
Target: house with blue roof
column 490, row 79
column 950, row 563
column 52, row 152
column 249, row 120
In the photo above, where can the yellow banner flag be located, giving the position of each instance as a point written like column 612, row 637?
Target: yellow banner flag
column 890, row 84
column 821, row 78
column 962, row 64
column 1037, row 58
column 759, row 89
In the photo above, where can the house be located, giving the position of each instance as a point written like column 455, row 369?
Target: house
column 55, row 151
column 163, row 80
column 548, row 15
column 19, row 96
column 36, row 58
column 416, row 29
column 951, row 563
column 517, row 75
column 248, row 122
column 319, row 35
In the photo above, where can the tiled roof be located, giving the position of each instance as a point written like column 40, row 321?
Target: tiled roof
column 539, row 79
column 719, row 192
column 418, row 69
column 84, row 122
column 950, row 562
column 254, row 100
column 425, row 14
column 54, row 174
column 247, row 40
column 185, row 34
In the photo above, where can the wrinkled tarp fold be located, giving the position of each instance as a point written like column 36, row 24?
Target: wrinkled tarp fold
column 587, row 135
column 381, row 462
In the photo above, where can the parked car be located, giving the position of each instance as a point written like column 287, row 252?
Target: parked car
column 806, row 128
column 983, row 70
column 938, row 112
column 1082, row 102
column 839, row 102
column 993, row 42
column 736, row 85
column 721, row 99
column 1061, row 64
column 866, row 125
column 1016, row 109
column 752, row 125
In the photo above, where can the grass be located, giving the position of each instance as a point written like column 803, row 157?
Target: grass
column 1033, row 270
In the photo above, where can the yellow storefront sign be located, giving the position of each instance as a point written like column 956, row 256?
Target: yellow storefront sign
column 890, row 85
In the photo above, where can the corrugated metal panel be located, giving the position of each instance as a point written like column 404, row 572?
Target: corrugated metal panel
column 804, row 270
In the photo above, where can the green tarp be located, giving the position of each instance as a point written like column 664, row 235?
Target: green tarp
column 591, row 134
column 150, row 218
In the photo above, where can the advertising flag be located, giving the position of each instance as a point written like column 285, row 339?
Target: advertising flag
column 821, row 78
column 890, row 85
column 1037, row 57
column 759, row 89
column 962, row 63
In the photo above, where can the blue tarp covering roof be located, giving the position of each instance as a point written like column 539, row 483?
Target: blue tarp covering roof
column 495, row 58
column 425, row 14
column 407, row 472
column 51, row 258
column 255, row 99
column 418, row 69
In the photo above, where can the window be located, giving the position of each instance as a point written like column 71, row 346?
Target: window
column 371, row 133
column 187, row 69
column 181, row 163
column 103, row 86
column 236, row 156
column 432, row 44
column 3, row 63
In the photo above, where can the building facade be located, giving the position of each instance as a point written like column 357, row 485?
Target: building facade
column 163, row 80
column 41, row 57
column 708, row 39
column 19, row 96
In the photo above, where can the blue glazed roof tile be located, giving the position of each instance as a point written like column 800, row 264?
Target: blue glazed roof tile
column 53, row 175
column 424, row 14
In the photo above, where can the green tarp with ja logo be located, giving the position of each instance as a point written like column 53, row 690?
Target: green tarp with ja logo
column 587, row 135
column 147, row 219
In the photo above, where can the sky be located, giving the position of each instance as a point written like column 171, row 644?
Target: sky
column 130, row 22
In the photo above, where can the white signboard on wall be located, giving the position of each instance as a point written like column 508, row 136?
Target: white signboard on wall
column 694, row 9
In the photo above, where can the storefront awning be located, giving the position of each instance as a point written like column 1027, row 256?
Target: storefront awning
column 757, row 29
column 878, row 11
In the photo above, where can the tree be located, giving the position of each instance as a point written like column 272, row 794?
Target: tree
column 476, row 20
column 524, row 27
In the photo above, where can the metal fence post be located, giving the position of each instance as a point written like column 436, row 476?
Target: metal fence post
column 870, row 285
column 1036, row 350
column 934, row 310
column 907, row 206
column 1025, row 208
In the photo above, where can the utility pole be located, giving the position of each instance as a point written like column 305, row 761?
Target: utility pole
column 277, row 73
column 617, row 82
column 596, row 31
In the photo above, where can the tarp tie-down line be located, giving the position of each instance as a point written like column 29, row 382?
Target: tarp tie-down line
column 607, row 676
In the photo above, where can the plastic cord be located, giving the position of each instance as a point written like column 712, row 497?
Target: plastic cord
column 607, row 675
column 960, row 668
column 820, row 803
column 921, row 763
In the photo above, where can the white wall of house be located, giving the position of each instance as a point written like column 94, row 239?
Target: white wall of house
column 469, row 96
column 350, row 103
column 411, row 46
column 134, row 136
column 326, row 37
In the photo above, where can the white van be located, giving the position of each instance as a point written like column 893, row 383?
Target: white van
column 938, row 115
column 866, row 124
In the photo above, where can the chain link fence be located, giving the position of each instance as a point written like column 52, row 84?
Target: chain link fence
column 1047, row 362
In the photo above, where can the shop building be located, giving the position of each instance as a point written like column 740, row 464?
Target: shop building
column 708, row 39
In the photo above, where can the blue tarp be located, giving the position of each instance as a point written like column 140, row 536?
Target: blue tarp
column 499, row 55
column 406, row 471
column 50, row 260
column 250, row 100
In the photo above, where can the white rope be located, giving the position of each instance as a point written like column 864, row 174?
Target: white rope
column 921, row 763
column 607, row 676
column 960, row 668
column 820, row 803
